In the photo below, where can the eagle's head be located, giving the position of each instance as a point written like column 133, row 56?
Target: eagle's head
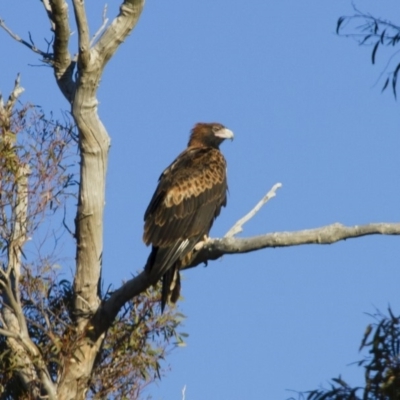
column 209, row 135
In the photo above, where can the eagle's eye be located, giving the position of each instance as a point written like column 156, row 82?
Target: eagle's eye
column 217, row 128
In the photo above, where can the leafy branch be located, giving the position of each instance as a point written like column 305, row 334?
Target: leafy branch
column 368, row 30
column 382, row 365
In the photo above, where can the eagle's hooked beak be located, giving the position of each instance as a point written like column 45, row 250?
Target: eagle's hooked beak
column 225, row 134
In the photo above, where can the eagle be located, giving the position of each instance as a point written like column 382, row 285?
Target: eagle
column 189, row 196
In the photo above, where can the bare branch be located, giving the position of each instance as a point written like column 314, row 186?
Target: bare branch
column 7, row 333
column 102, row 27
column 238, row 227
column 6, row 109
column 47, row 7
column 16, row 242
column 46, row 56
column 106, row 313
column 119, row 29
column 83, row 32
column 62, row 62
column 14, row 317
column 184, row 392
column 216, row 248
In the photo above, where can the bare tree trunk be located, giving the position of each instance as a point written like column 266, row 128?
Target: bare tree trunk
column 94, row 144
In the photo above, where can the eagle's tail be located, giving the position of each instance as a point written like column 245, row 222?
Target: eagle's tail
column 166, row 263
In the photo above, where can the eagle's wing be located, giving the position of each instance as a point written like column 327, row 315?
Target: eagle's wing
column 189, row 196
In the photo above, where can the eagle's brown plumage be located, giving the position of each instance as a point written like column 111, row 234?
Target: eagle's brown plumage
column 189, row 196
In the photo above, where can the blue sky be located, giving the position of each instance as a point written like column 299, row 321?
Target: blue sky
column 307, row 111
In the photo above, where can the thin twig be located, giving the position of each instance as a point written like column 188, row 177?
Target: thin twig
column 102, row 27
column 184, row 393
column 65, row 223
column 46, row 56
column 238, row 227
column 60, row 320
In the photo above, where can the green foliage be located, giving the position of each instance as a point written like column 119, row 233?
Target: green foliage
column 382, row 365
column 135, row 347
column 133, row 351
